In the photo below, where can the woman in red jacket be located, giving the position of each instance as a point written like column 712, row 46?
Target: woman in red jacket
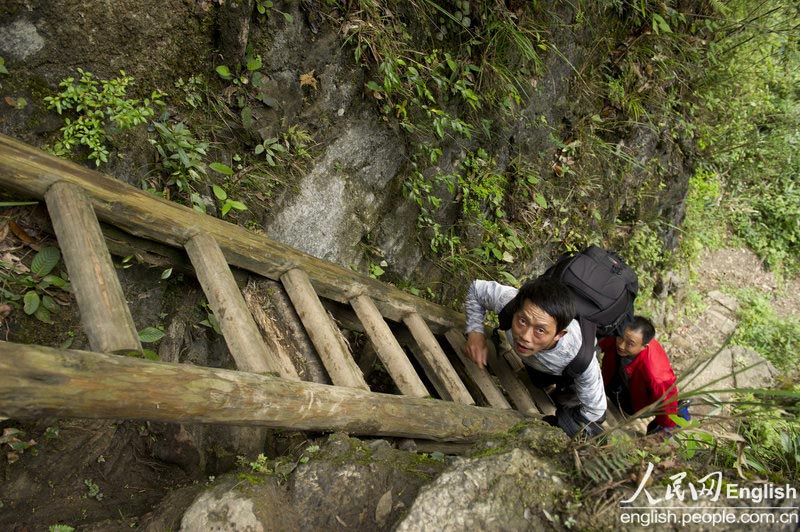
column 637, row 373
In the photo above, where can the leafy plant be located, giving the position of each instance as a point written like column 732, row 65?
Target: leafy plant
column 99, row 108
column 194, row 89
column 480, row 193
column 775, row 338
column 227, row 203
column 93, row 490
column 61, row 528
column 261, row 464
column 211, row 320
column 41, row 289
column 272, row 150
column 247, row 83
column 376, row 270
column 148, row 335
column 11, row 437
column 181, row 159
column 263, row 7
column 289, row 150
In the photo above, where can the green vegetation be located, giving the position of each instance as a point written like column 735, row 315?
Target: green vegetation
column 749, row 122
column 60, row 528
column 38, row 289
column 93, row 490
column 761, row 329
column 14, row 439
column 280, row 467
column 99, row 108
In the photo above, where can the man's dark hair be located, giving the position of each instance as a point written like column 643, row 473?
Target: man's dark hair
column 644, row 326
column 550, row 295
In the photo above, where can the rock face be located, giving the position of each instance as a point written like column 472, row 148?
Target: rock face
column 732, row 368
column 346, row 485
column 509, row 491
column 356, row 485
column 348, row 202
column 234, row 505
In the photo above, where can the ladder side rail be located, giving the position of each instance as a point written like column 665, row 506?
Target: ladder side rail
column 226, row 301
column 104, row 311
column 436, row 360
column 324, row 334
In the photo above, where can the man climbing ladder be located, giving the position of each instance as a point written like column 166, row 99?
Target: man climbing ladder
column 545, row 334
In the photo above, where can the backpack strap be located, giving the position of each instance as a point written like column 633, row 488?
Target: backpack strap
column 586, row 352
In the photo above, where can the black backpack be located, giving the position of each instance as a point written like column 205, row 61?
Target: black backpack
column 604, row 289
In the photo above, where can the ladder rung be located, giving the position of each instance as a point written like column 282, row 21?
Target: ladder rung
column 270, row 334
column 515, row 389
column 105, row 315
column 324, row 335
column 436, row 361
column 480, row 376
column 226, row 301
column 389, row 351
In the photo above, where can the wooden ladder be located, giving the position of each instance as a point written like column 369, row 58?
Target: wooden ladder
column 78, row 198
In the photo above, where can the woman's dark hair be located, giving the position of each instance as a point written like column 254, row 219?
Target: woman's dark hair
column 550, row 295
column 644, row 326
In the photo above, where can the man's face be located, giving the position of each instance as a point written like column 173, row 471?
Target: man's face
column 630, row 343
column 533, row 330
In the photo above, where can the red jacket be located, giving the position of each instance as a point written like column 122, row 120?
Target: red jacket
column 650, row 377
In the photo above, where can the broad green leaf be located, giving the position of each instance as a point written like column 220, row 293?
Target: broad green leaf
column 54, row 280
column 226, row 208
column 43, row 315
column 540, row 200
column 224, row 72
column 149, row 354
column 238, row 205
column 166, row 273
column 44, row 261
column 219, row 192
column 221, row 168
column 31, row 302
column 660, row 24
column 49, row 303
column 247, row 117
column 254, row 64
column 212, row 320
column 150, row 335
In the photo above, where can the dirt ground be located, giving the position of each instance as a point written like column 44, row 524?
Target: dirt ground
column 104, row 475
column 91, row 475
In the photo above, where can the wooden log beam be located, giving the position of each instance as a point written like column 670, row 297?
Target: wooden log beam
column 480, row 376
column 514, row 387
column 105, row 315
column 226, row 301
column 37, row 382
column 386, row 345
column 30, row 172
column 436, row 361
column 324, row 334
